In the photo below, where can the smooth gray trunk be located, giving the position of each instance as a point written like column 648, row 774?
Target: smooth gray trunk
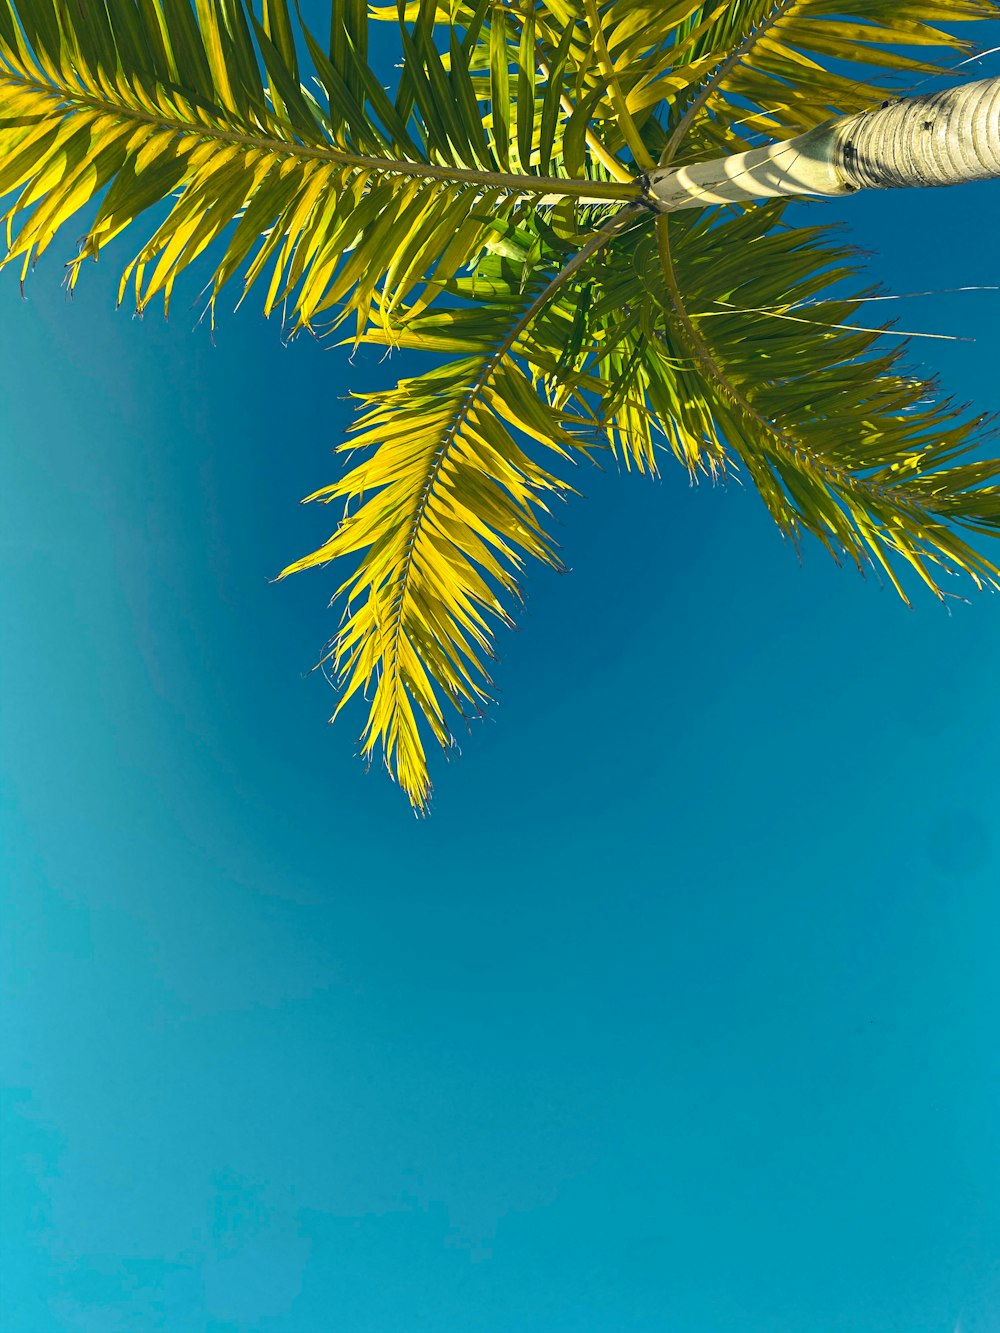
column 945, row 138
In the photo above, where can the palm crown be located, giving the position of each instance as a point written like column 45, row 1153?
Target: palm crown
column 491, row 210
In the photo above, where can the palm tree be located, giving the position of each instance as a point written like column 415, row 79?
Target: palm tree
column 532, row 203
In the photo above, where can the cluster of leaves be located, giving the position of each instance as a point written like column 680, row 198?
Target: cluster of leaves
column 488, row 210
column 791, row 65
column 346, row 201
column 839, row 441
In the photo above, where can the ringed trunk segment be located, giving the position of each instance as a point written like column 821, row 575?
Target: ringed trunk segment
column 945, row 138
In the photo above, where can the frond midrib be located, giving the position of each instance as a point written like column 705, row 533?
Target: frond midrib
column 614, row 191
column 715, row 79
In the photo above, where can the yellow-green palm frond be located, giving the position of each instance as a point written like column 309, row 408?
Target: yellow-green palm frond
column 784, row 66
column 838, row 439
column 582, row 77
column 594, row 347
column 442, row 513
column 348, row 205
column 449, row 501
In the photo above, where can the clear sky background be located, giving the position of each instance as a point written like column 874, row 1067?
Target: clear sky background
column 681, row 1014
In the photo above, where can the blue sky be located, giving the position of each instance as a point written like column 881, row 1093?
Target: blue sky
column 679, row 1014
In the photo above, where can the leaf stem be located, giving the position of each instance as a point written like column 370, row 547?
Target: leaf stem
column 598, row 191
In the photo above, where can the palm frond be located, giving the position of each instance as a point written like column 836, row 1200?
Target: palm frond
column 839, row 440
column 445, row 509
column 785, row 66
column 347, row 206
column 449, row 501
column 593, row 72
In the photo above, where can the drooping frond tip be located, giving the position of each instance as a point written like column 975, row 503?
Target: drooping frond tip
column 445, row 506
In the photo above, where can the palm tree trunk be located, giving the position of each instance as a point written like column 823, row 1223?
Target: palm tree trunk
column 946, row 138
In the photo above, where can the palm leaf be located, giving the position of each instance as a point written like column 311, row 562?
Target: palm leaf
column 540, row 60
column 445, row 509
column 446, row 505
column 781, row 65
column 147, row 102
column 838, row 439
